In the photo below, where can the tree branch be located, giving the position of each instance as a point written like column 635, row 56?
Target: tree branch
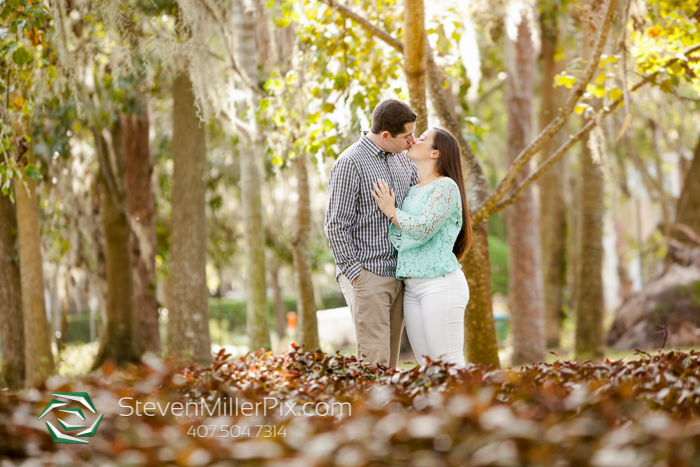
column 229, row 52
column 489, row 92
column 241, row 127
column 365, row 24
column 572, row 140
column 690, row 233
column 687, row 98
column 555, row 125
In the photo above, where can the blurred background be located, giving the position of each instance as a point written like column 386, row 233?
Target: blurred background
column 166, row 164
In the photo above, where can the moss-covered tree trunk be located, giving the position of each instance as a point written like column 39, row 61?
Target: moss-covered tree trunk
column 588, row 301
column 119, row 341
column 414, row 60
column 479, row 326
column 38, row 357
column 551, row 185
column 188, row 324
column 11, row 319
column 251, row 160
column 307, row 325
column 140, row 204
column 524, row 270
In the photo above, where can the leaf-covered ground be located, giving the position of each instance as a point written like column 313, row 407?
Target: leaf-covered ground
column 644, row 412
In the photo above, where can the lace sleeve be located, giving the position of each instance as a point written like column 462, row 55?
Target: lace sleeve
column 416, row 230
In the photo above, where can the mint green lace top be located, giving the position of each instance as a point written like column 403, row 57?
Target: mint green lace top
column 430, row 220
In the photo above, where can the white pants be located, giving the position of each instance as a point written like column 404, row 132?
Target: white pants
column 434, row 314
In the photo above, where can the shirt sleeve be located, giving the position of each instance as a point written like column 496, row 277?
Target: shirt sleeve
column 343, row 192
column 443, row 201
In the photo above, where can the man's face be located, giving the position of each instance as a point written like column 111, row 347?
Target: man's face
column 402, row 142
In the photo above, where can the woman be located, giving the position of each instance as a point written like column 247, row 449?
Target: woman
column 432, row 232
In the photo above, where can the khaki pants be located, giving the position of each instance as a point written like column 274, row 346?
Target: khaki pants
column 376, row 306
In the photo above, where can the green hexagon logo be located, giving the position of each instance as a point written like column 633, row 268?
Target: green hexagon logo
column 59, row 436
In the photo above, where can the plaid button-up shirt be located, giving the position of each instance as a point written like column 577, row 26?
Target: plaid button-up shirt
column 357, row 230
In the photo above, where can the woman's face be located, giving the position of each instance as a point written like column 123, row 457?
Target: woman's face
column 422, row 149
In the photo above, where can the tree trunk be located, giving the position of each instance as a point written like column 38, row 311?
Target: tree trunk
column 140, row 205
column 414, row 60
column 11, row 324
column 119, row 342
column 38, row 357
column 480, row 327
column 588, row 300
column 688, row 210
column 551, row 188
column 188, row 325
column 524, row 270
column 280, row 318
column 251, row 167
column 306, row 304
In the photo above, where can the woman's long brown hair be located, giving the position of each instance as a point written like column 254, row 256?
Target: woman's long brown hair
column 449, row 164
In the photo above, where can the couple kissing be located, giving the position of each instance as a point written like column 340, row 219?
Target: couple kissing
column 397, row 224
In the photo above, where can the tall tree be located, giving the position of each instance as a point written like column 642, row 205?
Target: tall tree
column 589, row 339
column 551, row 185
column 307, row 324
column 524, row 272
column 188, row 325
column 251, row 160
column 140, row 205
column 415, row 60
column 119, row 342
column 479, row 325
column 588, row 300
column 39, row 362
column 11, row 322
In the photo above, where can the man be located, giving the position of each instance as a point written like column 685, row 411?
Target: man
column 357, row 230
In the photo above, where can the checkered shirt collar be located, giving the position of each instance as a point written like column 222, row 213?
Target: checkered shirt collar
column 372, row 146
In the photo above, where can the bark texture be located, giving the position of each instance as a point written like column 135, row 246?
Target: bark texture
column 551, row 188
column 119, row 342
column 480, row 327
column 307, row 326
column 11, row 320
column 688, row 210
column 251, row 159
column 39, row 362
column 414, row 60
column 140, row 205
column 280, row 315
column 588, row 300
column 524, row 270
column 188, row 325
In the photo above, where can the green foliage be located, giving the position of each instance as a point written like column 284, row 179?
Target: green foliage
column 233, row 312
column 340, row 72
column 22, row 39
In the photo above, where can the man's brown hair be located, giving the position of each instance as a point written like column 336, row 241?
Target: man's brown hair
column 392, row 115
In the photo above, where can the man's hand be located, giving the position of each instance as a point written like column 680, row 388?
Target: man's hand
column 385, row 197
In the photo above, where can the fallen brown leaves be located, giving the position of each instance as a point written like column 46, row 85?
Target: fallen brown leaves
column 644, row 412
